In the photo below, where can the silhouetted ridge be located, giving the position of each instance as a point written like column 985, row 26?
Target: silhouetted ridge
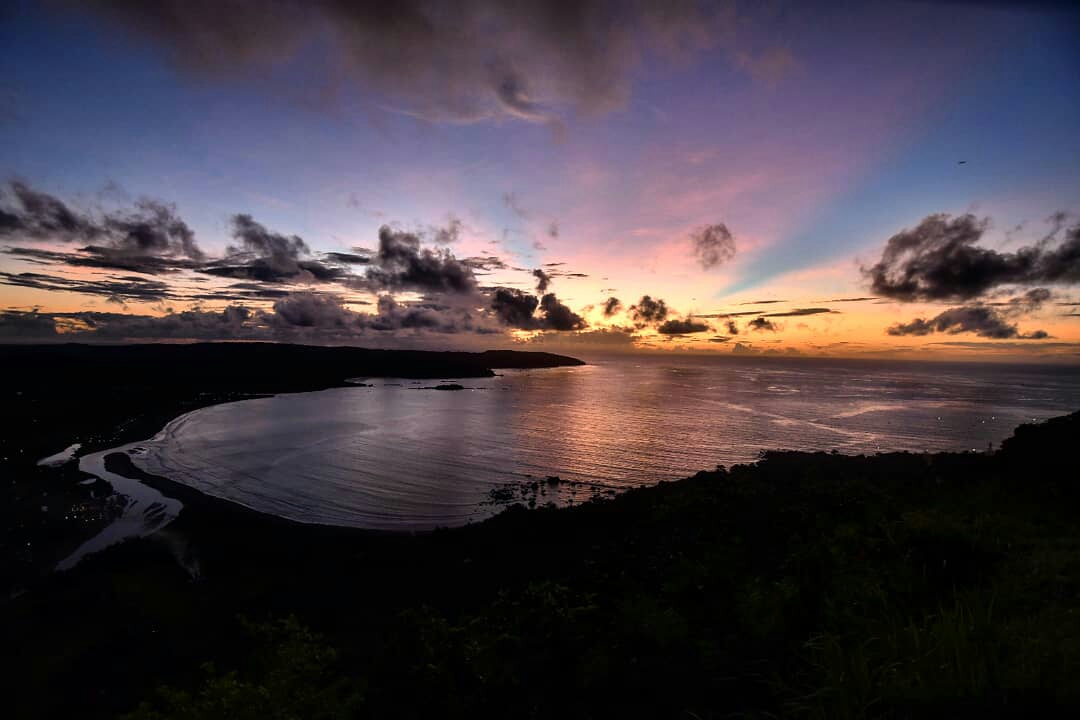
column 250, row 367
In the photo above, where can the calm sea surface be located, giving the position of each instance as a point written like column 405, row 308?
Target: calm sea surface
column 396, row 457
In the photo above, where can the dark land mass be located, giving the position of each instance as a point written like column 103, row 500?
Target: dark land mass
column 101, row 396
column 248, row 367
column 805, row 585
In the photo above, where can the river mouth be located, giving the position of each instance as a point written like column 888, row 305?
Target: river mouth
column 146, row 510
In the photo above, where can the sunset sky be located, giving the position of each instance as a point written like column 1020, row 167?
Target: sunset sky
column 854, row 179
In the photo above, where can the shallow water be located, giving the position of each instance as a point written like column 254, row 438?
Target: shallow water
column 145, row 509
column 394, row 457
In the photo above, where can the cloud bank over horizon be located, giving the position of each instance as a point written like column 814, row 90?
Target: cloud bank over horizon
column 271, row 285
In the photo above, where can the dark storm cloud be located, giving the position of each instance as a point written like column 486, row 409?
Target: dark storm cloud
column 556, row 316
column 247, row 267
column 485, row 263
column 109, row 258
column 682, row 327
column 713, row 245
column 124, row 288
column 105, row 258
column 648, row 311
column 552, row 274
column 543, row 280
column 402, row 264
column 761, row 323
column 611, row 306
column 854, row 299
column 347, row 258
column 762, row 302
column 798, row 312
column 326, row 312
column 258, row 290
column 267, row 256
column 8, row 221
column 232, row 295
column 979, row 319
column 1028, row 302
column 40, row 256
column 309, row 310
column 1033, row 298
column 190, row 324
column 152, row 228
column 516, row 309
column 939, row 260
column 118, row 289
column 149, row 237
column 29, row 214
column 463, row 62
column 395, row 316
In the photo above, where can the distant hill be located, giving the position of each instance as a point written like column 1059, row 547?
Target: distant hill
column 247, row 367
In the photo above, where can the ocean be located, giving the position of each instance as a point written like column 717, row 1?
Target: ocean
column 394, row 456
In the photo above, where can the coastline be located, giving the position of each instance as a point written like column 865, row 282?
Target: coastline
column 199, row 503
column 103, row 397
column 713, row 588
column 806, row 583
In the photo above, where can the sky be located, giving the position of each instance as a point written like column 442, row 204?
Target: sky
column 877, row 179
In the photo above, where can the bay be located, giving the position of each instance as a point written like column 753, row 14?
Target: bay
column 394, row 456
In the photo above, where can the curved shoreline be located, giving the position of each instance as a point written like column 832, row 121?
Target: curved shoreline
column 146, row 512
column 154, row 501
column 149, row 509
